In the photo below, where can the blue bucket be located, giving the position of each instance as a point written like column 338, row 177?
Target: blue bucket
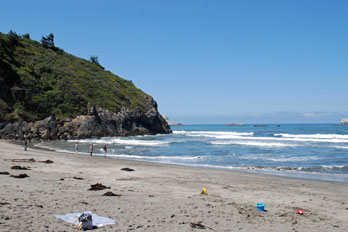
column 260, row 206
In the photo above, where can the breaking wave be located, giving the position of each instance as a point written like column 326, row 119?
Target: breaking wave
column 280, row 158
column 285, row 148
column 320, row 136
column 133, row 142
column 254, row 144
column 213, row 134
column 125, row 156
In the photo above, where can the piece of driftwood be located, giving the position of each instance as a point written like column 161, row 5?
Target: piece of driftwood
column 46, row 161
column 127, row 169
column 97, row 187
column 111, row 194
column 199, row 225
column 24, row 160
column 16, row 167
column 20, row 176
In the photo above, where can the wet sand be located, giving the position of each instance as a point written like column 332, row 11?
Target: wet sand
column 159, row 197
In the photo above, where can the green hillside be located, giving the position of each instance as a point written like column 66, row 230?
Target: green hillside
column 38, row 81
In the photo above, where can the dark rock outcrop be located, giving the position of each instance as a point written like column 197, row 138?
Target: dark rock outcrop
column 344, row 122
column 97, row 123
column 170, row 123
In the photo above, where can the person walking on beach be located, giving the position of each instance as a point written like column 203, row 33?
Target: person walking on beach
column 25, row 144
column 77, row 147
column 105, row 150
column 91, row 149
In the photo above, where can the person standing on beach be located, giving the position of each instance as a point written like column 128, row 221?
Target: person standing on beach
column 77, row 147
column 105, row 150
column 91, row 149
column 25, row 144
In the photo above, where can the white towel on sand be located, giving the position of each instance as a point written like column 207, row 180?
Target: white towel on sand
column 98, row 221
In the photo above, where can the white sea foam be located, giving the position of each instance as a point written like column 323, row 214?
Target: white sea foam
column 212, row 133
column 283, row 139
column 293, row 159
column 59, row 150
column 268, row 157
column 295, row 139
column 156, row 157
column 333, row 166
column 223, row 135
column 319, row 136
column 340, row 147
column 140, row 142
column 94, row 141
column 255, row 144
column 134, row 142
column 53, row 149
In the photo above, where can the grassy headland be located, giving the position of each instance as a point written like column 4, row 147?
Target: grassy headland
column 38, row 81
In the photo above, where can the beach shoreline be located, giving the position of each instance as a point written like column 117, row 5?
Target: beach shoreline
column 295, row 173
column 160, row 197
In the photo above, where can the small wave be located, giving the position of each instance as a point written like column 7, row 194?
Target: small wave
column 318, row 169
column 293, row 159
column 324, row 168
column 280, row 158
column 319, row 136
column 156, row 157
column 61, row 150
column 140, row 142
column 340, row 147
column 212, row 133
column 255, row 144
column 53, row 149
column 281, row 168
column 94, row 141
column 316, row 138
column 290, row 139
column 134, row 142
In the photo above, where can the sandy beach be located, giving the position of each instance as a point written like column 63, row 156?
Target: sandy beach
column 158, row 197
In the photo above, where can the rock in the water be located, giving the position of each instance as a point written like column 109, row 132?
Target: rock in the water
column 170, row 123
column 344, row 121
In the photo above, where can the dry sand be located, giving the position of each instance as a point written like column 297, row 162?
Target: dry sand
column 157, row 197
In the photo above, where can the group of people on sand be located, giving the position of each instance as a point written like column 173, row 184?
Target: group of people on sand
column 91, row 147
column 76, row 148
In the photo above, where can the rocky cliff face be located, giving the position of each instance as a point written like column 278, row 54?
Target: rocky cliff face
column 97, row 123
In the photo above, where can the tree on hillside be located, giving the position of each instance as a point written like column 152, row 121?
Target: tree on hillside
column 26, row 36
column 94, row 59
column 48, row 41
column 14, row 38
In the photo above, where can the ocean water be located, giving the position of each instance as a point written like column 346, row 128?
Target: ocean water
column 314, row 151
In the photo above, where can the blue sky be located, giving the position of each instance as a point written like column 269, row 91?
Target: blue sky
column 209, row 61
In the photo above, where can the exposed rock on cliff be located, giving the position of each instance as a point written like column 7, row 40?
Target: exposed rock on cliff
column 101, row 123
